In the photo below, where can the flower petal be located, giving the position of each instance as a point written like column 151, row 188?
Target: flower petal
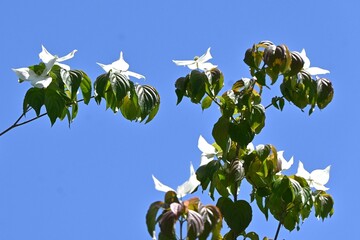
column 22, row 73
column 284, row 165
column 301, row 172
column 206, row 66
column 305, row 58
column 41, row 82
column 316, row 71
column 321, row 176
column 136, row 75
column 120, row 65
column 184, row 62
column 68, row 56
column 205, row 57
column 318, row 186
column 161, row 187
column 45, row 56
column 64, row 66
column 106, row 68
column 205, row 147
column 190, row 185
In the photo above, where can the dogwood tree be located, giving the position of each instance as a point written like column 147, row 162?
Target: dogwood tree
column 225, row 164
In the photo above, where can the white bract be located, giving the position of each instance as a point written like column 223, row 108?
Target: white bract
column 282, row 163
column 311, row 70
column 208, row 151
column 43, row 79
column 187, row 187
column 198, row 62
column 48, row 58
column 120, row 66
column 317, row 178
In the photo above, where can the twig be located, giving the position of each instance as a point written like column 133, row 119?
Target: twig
column 17, row 124
column 277, row 231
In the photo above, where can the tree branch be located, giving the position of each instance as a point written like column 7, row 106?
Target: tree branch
column 17, row 124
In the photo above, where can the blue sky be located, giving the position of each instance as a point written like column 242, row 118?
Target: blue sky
column 93, row 181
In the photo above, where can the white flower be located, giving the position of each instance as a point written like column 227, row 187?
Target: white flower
column 187, row 187
column 48, row 58
column 282, row 163
column 120, row 66
column 208, row 151
column 43, row 80
column 198, row 62
column 317, row 178
column 311, row 70
column 40, row 81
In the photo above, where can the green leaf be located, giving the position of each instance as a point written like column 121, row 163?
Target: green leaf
column 38, row 69
column 251, row 236
column 261, row 77
column 101, row 85
column 281, row 103
column 241, row 133
column 35, row 98
column 206, row 102
column 130, row 108
column 196, row 86
column 85, row 87
column 181, row 86
column 257, row 118
column 325, row 92
column 220, row 132
column 323, row 204
column 72, row 82
column 74, row 110
column 54, row 103
column 120, row 85
column 148, row 100
column 151, row 216
column 237, row 215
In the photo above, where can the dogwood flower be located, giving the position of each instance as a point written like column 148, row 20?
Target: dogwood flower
column 311, row 70
column 39, row 81
column 48, row 58
column 317, row 178
column 282, row 163
column 198, row 62
column 187, row 187
column 208, row 151
column 120, row 66
column 42, row 79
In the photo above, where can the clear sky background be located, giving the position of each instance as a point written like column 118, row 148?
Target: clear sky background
column 93, row 181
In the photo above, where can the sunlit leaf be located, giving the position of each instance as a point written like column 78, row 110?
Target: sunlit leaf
column 85, row 87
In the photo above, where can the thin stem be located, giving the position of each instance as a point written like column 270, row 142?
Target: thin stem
column 181, row 226
column 277, row 231
column 17, row 124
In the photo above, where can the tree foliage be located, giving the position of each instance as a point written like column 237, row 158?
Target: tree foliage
column 232, row 159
